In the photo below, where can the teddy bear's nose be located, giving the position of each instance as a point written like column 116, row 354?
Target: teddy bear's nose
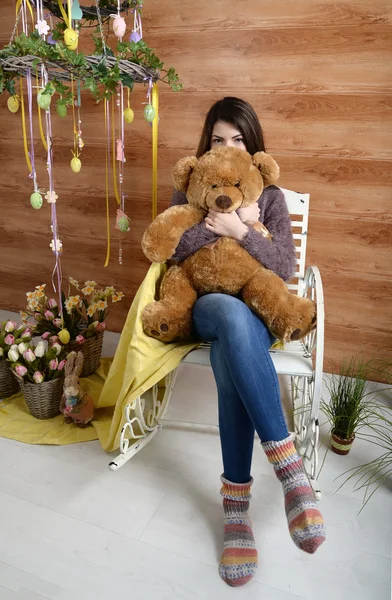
column 223, row 202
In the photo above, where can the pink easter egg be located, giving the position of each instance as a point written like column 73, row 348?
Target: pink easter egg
column 119, row 27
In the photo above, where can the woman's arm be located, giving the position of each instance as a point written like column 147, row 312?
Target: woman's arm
column 277, row 254
column 195, row 238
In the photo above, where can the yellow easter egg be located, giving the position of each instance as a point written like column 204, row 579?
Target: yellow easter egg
column 128, row 115
column 76, row 164
column 64, row 336
column 13, row 104
column 71, row 38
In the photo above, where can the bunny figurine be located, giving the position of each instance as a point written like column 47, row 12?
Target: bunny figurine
column 76, row 405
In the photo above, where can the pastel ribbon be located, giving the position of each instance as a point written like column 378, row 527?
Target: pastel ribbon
column 107, row 124
column 155, row 103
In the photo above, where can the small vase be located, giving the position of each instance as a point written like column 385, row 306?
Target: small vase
column 8, row 383
column 340, row 445
column 91, row 350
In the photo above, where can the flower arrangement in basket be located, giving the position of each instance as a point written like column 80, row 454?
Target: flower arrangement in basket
column 81, row 322
column 11, row 336
column 40, row 371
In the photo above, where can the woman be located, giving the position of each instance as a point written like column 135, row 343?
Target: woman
column 248, row 388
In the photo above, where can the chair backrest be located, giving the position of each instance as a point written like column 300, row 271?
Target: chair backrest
column 298, row 206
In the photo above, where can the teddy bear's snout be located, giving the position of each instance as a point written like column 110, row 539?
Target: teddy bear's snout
column 223, row 202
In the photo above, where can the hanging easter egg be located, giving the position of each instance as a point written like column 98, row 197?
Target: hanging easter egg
column 61, row 110
column 119, row 27
column 44, row 100
column 128, row 115
column 123, row 223
column 76, row 164
column 13, row 104
column 149, row 113
column 36, row 200
column 71, row 38
column 76, row 11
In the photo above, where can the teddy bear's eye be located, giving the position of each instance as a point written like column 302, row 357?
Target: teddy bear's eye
column 237, row 184
column 214, row 186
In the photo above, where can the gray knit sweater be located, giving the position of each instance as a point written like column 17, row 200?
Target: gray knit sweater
column 277, row 255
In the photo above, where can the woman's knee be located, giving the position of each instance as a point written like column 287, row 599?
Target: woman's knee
column 223, row 311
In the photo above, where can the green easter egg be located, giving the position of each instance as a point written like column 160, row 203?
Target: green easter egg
column 61, row 110
column 44, row 100
column 36, row 200
column 123, row 224
column 149, row 113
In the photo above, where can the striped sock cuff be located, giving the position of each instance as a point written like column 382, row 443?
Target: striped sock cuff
column 284, row 457
column 239, row 492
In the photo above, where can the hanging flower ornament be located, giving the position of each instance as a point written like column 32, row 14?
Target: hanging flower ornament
column 51, row 197
column 42, row 27
column 58, row 247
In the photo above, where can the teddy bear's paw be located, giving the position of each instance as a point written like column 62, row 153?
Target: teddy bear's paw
column 307, row 325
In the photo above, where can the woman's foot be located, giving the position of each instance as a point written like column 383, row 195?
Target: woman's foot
column 239, row 559
column 306, row 524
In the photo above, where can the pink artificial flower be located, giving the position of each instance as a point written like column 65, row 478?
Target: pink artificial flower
column 52, row 303
column 45, row 335
column 57, row 322
column 38, row 317
column 21, row 327
column 49, row 316
column 53, row 339
column 61, row 365
column 20, row 370
column 29, row 355
column 54, row 363
column 38, row 377
column 79, row 339
column 10, row 326
column 26, row 335
column 9, row 340
column 100, row 327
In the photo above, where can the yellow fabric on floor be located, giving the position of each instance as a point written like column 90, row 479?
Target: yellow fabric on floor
column 139, row 363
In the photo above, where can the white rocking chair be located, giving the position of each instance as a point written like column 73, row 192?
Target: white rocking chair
column 301, row 360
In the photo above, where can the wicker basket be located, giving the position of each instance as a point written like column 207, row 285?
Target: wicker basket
column 43, row 399
column 8, row 383
column 91, row 350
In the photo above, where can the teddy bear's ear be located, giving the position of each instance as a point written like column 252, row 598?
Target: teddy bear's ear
column 267, row 166
column 182, row 172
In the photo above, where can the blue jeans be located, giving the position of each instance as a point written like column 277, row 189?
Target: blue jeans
column 248, row 387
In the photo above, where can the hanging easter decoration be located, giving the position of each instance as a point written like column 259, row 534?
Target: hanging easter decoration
column 122, row 221
column 36, row 200
column 44, row 99
column 61, row 110
column 129, row 115
column 76, row 11
column 119, row 26
column 71, row 38
column 149, row 113
column 13, row 104
column 76, row 164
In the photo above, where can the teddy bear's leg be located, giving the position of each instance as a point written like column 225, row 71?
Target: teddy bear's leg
column 171, row 317
column 286, row 315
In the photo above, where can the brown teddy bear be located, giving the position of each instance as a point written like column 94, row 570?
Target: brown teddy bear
column 223, row 179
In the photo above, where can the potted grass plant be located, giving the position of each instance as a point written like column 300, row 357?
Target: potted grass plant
column 370, row 476
column 350, row 404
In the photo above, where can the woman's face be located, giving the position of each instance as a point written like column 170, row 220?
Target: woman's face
column 225, row 134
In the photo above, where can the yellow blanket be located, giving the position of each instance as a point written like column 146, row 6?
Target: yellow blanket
column 139, row 363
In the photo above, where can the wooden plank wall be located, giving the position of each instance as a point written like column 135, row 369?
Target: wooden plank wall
column 318, row 73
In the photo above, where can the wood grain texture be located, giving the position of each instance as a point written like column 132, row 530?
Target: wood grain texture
column 318, row 74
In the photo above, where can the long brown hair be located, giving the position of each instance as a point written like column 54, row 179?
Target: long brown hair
column 242, row 116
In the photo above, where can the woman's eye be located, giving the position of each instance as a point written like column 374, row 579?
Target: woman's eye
column 237, row 184
column 239, row 140
column 216, row 141
column 214, row 186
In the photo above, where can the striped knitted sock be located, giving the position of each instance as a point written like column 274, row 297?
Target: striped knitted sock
column 239, row 559
column 306, row 524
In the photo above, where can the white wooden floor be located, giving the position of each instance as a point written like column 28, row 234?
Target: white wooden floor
column 72, row 530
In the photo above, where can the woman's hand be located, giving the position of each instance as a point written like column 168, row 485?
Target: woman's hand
column 250, row 214
column 226, row 225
